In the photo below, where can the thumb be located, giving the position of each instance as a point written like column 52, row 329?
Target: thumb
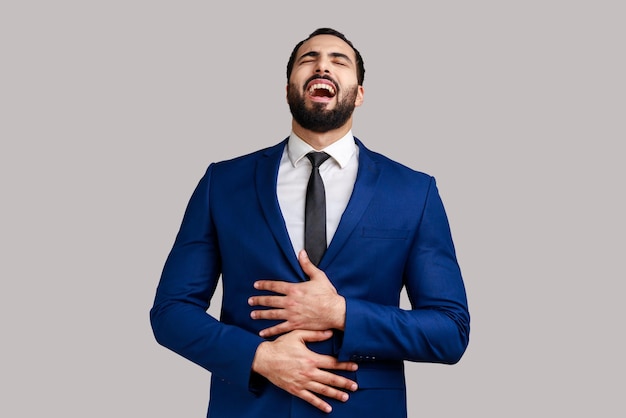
column 307, row 266
column 312, row 336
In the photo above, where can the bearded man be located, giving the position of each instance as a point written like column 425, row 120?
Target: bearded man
column 314, row 240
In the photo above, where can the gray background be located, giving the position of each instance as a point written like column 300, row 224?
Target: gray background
column 111, row 111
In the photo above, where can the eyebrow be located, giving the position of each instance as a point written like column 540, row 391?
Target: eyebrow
column 316, row 54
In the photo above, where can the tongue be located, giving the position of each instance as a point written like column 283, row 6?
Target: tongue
column 321, row 93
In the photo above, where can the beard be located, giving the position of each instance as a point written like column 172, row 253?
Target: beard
column 317, row 118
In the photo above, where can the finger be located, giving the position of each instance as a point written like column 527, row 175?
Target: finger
column 314, row 400
column 328, row 391
column 334, row 380
column 269, row 314
column 305, row 261
column 311, row 336
column 331, row 363
column 273, row 286
column 307, row 266
column 269, row 301
column 281, row 328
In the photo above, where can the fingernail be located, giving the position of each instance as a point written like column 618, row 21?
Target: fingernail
column 344, row 397
column 250, row 301
column 354, row 387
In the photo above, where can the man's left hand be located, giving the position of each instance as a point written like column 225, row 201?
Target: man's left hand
column 313, row 305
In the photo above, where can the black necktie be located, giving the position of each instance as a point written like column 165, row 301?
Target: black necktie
column 315, row 210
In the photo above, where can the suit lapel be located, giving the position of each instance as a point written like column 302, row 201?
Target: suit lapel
column 364, row 189
column 265, row 178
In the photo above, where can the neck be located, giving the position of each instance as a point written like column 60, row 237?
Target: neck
column 320, row 140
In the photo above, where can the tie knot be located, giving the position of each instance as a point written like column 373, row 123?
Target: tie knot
column 317, row 158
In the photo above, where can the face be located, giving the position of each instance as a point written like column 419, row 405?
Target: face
column 323, row 89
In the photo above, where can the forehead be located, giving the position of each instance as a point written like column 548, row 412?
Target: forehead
column 326, row 44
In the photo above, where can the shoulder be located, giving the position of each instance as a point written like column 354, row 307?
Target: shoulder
column 248, row 161
column 389, row 167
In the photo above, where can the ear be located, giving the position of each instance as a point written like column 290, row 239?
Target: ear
column 359, row 96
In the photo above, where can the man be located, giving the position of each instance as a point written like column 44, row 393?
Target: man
column 306, row 333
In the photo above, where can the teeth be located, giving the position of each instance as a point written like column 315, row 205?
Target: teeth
column 328, row 87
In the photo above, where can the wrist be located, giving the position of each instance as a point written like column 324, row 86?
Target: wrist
column 257, row 361
column 339, row 314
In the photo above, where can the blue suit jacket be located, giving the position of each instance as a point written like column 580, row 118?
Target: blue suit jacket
column 394, row 233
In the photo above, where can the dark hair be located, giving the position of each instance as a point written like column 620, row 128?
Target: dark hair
column 360, row 67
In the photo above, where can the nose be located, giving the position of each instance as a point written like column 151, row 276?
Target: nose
column 322, row 66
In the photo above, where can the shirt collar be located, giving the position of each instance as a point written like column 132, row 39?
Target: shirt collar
column 341, row 151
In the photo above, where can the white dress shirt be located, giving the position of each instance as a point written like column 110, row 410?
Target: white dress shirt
column 338, row 173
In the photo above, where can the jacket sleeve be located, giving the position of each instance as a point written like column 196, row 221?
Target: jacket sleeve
column 178, row 317
column 436, row 329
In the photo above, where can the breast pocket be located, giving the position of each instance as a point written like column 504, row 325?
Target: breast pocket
column 384, row 233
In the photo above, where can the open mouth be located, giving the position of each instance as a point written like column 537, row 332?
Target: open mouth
column 321, row 88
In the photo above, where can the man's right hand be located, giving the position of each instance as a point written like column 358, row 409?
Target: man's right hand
column 290, row 365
